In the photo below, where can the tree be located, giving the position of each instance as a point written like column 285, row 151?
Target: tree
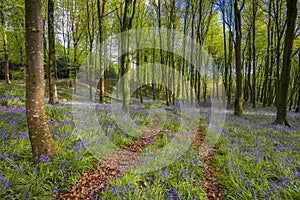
column 126, row 24
column 298, row 101
column 267, row 62
column 38, row 130
column 91, row 37
column 279, row 27
column 227, row 18
column 100, row 13
column 281, row 116
column 221, row 4
column 238, row 105
column 52, row 72
column 5, row 44
column 254, row 11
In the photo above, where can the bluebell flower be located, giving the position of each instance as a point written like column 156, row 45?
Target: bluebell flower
column 273, row 186
column 250, row 184
column 124, row 190
column 6, row 183
column 284, row 178
column 91, row 194
column 116, row 191
column 173, row 192
column 164, row 173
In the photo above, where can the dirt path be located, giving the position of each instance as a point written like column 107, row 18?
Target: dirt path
column 112, row 167
column 211, row 187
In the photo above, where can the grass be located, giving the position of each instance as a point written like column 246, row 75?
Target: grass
column 257, row 160
column 21, row 180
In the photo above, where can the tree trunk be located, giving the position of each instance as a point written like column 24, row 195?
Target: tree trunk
column 281, row 117
column 152, row 67
column 38, row 130
column 138, row 68
column 192, row 59
column 248, row 87
column 91, row 36
column 225, row 48
column 230, row 52
column 271, row 89
column 53, row 98
column 292, row 93
column 298, row 102
column 100, row 29
column 238, row 105
column 267, row 66
column 185, row 29
column 5, row 46
column 253, row 54
column 260, row 86
column 279, row 34
column 126, row 24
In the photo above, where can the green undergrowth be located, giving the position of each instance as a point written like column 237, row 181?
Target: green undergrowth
column 21, row 179
column 180, row 180
column 259, row 160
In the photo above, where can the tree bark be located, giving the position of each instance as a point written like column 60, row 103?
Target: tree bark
column 253, row 55
column 238, row 105
column 298, row 102
column 192, row 58
column 248, row 88
column 53, row 98
column 271, row 81
column 100, row 12
column 281, row 117
column 267, row 66
column 225, row 47
column 91, row 36
column 5, row 46
column 138, row 64
column 38, row 130
column 126, row 24
column 152, row 67
column 230, row 52
column 185, row 29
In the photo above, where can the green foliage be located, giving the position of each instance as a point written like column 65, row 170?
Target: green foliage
column 24, row 180
column 12, row 95
column 17, row 75
column 258, row 160
column 62, row 68
column 111, row 73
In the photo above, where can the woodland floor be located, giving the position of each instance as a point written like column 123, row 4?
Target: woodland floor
column 252, row 159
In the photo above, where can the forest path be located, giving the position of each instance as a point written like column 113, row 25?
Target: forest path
column 113, row 166
column 212, row 189
column 125, row 159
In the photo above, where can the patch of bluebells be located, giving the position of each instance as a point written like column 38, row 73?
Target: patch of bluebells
column 49, row 175
column 258, row 159
column 180, row 180
column 14, row 100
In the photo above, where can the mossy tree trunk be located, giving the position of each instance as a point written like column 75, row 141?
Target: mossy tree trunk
column 238, row 105
column 52, row 72
column 126, row 24
column 38, row 130
column 5, row 45
column 281, row 116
